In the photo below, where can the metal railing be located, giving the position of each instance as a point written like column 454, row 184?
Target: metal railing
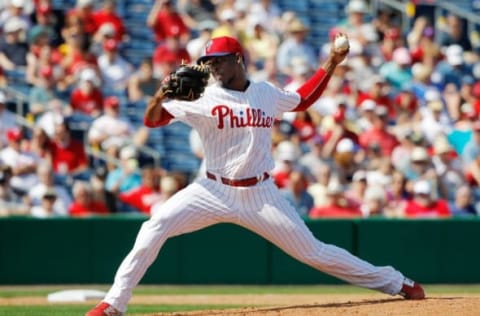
column 440, row 6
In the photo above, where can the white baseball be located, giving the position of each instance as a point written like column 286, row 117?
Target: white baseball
column 341, row 42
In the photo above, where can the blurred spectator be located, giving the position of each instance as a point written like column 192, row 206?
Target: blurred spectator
column 313, row 158
column 454, row 31
column 87, row 97
column 434, row 122
column 110, row 128
column 318, row 187
column 46, row 208
column 114, row 69
column 42, row 56
column 344, row 160
column 167, row 56
column 385, row 20
column 83, row 10
column 472, row 148
column 45, row 15
column 15, row 9
column 43, row 92
column 401, row 154
column 13, row 49
column 262, row 46
column 295, row 46
column 40, row 144
column 392, row 39
column 296, row 193
column 378, row 134
column 337, row 205
column 196, row 45
column 421, row 166
column 448, row 167
column 83, row 203
column 286, row 158
column 169, row 185
column 464, row 203
column 8, row 120
column 195, row 12
column 48, row 119
column 366, row 115
column 266, row 10
column 374, row 201
column 107, row 15
column 10, row 201
column 126, row 176
column 146, row 194
column 398, row 71
column 397, row 194
column 424, row 205
column 228, row 25
column 340, row 130
column 166, row 22
column 356, row 191
column 142, row 84
column 22, row 163
column 379, row 93
column 68, row 154
column 451, row 69
column 356, row 25
column 46, row 185
column 76, row 57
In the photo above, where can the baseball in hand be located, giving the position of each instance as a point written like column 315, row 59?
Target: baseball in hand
column 341, row 42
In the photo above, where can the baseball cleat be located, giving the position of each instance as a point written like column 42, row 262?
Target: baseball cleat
column 104, row 309
column 412, row 290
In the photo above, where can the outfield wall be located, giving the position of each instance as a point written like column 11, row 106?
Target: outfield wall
column 82, row 251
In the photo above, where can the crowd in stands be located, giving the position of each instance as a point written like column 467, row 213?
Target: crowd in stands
column 395, row 134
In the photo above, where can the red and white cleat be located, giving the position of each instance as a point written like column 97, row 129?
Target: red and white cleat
column 104, row 309
column 412, row 290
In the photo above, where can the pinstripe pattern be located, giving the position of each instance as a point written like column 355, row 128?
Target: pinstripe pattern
column 235, row 128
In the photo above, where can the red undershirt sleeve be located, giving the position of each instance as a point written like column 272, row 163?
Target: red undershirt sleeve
column 312, row 89
column 166, row 117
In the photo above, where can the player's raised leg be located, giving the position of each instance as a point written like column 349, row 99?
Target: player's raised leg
column 272, row 217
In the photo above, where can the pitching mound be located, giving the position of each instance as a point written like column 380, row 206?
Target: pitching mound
column 309, row 305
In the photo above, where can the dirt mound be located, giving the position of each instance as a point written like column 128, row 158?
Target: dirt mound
column 332, row 305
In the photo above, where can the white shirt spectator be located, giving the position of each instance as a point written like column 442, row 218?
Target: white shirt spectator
column 114, row 69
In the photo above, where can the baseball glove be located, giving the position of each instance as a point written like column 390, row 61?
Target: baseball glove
column 186, row 83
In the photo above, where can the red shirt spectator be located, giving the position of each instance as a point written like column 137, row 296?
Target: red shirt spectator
column 108, row 15
column 144, row 196
column 87, row 97
column 171, row 52
column 83, row 203
column 84, row 11
column 377, row 94
column 77, row 209
column 166, row 22
column 68, row 155
column 423, row 205
column 378, row 135
column 337, row 206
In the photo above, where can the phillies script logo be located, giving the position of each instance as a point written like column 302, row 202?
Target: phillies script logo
column 249, row 117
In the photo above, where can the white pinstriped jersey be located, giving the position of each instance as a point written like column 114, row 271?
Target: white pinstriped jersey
column 235, row 126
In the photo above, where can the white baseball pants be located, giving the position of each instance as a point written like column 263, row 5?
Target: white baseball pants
column 261, row 209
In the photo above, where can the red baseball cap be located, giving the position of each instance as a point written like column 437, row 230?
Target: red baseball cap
column 221, row 46
column 111, row 102
column 14, row 134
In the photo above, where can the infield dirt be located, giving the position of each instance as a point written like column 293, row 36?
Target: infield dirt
column 302, row 304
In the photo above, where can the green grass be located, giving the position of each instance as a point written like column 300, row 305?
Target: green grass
column 76, row 309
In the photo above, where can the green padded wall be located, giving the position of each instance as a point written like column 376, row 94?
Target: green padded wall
column 82, row 251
